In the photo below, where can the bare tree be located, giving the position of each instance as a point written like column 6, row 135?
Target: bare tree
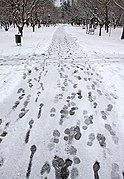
column 105, row 11
column 121, row 6
column 28, row 11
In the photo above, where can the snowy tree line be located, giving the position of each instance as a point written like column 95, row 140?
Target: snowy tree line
column 27, row 12
column 107, row 13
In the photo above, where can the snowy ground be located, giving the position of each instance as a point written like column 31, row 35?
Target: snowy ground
column 61, row 105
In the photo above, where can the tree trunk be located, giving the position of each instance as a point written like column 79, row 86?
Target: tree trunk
column 106, row 20
column 21, row 30
column 33, row 28
column 107, row 28
column 122, row 36
column 100, row 30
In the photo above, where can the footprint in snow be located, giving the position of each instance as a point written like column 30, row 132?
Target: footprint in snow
column 56, row 135
column 99, row 92
column 22, row 96
column 72, row 104
column 24, row 76
column 75, row 86
column 91, row 139
column 78, row 77
column 89, row 120
column 54, row 140
column 61, row 167
column 31, row 122
column 58, row 97
column 81, row 68
column 4, row 133
column 33, row 149
column 109, row 129
column 95, row 104
column 45, row 168
column 95, row 83
column 64, row 113
column 93, row 86
column 101, row 138
column 65, row 83
column 26, row 102
column 30, row 83
column 0, row 121
column 38, row 94
column 90, row 98
column 40, row 110
column 85, row 127
column 22, row 114
column 79, row 94
column 1, row 161
column 42, row 86
column 89, row 79
column 52, row 112
column 15, row 105
column 85, row 79
column 73, row 95
column 114, row 96
column 21, row 90
column 36, row 69
column 29, row 72
column 58, row 84
column 104, row 115
column 100, row 77
column 75, row 71
column 76, row 160
column 109, row 107
column 72, row 110
column 72, row 133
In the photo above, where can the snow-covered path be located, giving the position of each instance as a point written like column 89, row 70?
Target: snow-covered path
column 60, row 121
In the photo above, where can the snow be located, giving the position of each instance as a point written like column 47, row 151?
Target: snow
column 105, row 44
column 106, row 53
column 61, row 104
column 32, row 42
column 17, row 58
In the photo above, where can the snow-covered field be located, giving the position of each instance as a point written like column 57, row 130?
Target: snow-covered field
column 32, row 42
column 61, row 104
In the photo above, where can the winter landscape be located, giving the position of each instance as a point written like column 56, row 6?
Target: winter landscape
column 62, row 102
